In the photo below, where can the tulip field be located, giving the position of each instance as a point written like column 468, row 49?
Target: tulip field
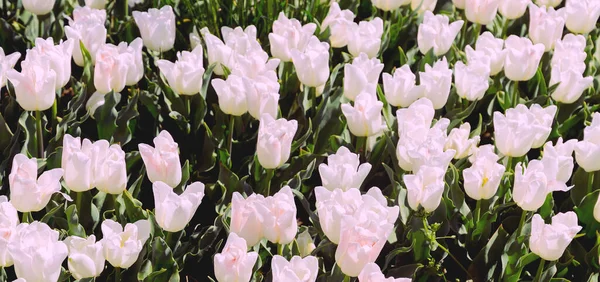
column 299, row 140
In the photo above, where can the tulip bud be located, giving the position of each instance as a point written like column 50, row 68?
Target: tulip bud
column 361, row 75
column 471, row 81
column 332, row 206
column 340, row 23
column 343, row 170
column 522, row 58
column 7, row 63
column 548, row 3
column 248, row 216
column 419, row 113
column 423, row 5
column 157, row 28
column 282, row 228
column 513, row 9
column 482, row 179
column 173, row 212
column 9, row 219
column 123, row 246
column 234, row 263
column 436, row 82
column 546, row 25
column 296, row 270
column 549, row 241
column 28, row 193
column 34, row 85
column 95, row 4
column 458, row 140
column 425, row 188
column 289, row 34
column 186, row 74
column 437, row 32
column 38, row 7
column 312, row 65
column 481, row 12
column 110, row 168
column 262, row 96
column 400, row 89
column 366, row 38
column 86, row 257
column 77, row 163
column 364, row 118
column 305, row 243
column 162, row 161
column 587, row 151
column 582, row 15
column 372, row 273
column 231, row 94
column 274, row 141
column 489, row 50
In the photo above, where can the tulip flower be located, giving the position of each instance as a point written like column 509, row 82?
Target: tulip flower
column 255, row 64
column 533, row 184
column 282, row 228
column 548, row 3
column 372, row 273
column 157, row 28
column 34, row 85
column 296, row 270
column 571, row 50
column 231, row 94
column 28, row 192
column 366, row 38
column 38, row 7
column 513, row 9
column 425, row 188
column 587, row 151
column 488, row 50
column 90, row 33
column 562, row 153
column 248, row 216
column 389, row 5
column 361, row 75
column 582, row 15
column 343, row 170
column 122, row 246
column 274, row 141
column 7, row 62
column 117, row 66
column 364, row 118
column 173, row 212
column 185, row 75
column 312, row 65
column 375, row 207
column 571, row 87
column 481, row 12
column 96, row 4
column 400, row 89
column 332, row 206
column 262, row 96
column 516, row 132
column 546, row 25
column 58, row 57
column 77, row 163
column 549, row 241
column 482, row 179
column 544, row 117
column 423, row 5
column 289, row 34
column 110, row 169
column 217, row 52
column 471, row 81
column 234, row 263
column 522, row 58
column 459, row 141
column 305, row 243
column 568, row 66
column 419, row 113
column 86, row 257
column 9, row 219
column 340, row 23
column 459, row 4
column 235, row 42
column 37, row 252
column 437, row 33
column 436, row 82
column 162, row 161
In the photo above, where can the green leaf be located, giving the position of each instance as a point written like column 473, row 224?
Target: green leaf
column 106, row 116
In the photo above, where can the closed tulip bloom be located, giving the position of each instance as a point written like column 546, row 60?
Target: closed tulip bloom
column 437, row 33
column 162, row 160
column 234, row 263
column 332, row 206
column 515, row 132
column 546, row 25
column 571, row 87
column 471, row 81
column 436, row 82
column 111, row 69
column 570, row 49
column 312, row 65
column 513, row 9
column 423, row 5
column 361, row 75
column 37, row 252
column 419, row 113
column 91, row 34
column 582, row 15
column 343, row 170
column 372, row 273
column 173, row 212
column 122, row 246
column 157, row 28
column 296, row 270
column 7, row 62
column 28, row 193
column 283, row 227
column 9, row 219
column 481, row 11
column 77, row 163
column 135, row 72
column 544, row 117
column 366, row 38
column 255, row 64
column 587, row 151
column 262, row 96
column 110, row 168
column 86, row 256
column 459, row 140
column 305, row 243
column 248, row 216
column 364, row 118
column 522, row 58
column 275, row 141
column 289, row 34
column 389, row 5
column 185, row 75
column 34, row 85
column 231, row 94
column 95, row 4
column 533, row 184
column 425, row 188
column 489, row 50
column 38, row 7
column 58, row 57
column 549, row 241
column 242, row 41
column 401, row 89
column 562, row 153
column 482, row 179
column 87, row 14
column 340, row 23
column 548, row 3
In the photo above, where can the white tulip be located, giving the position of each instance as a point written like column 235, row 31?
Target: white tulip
column 544, row 117
column 582, row 15
column 436, row 82
column 110, row 173
column 481, row 12
column 471, row 81
column 488, row 50
column 366, row 38
column 548, row 3
column 372, row 273
column 425, row 188
column 122, row 246
column 9, row 219
column 423, row 5
column 332, row 206
column 587, row 151
column 459, row 141
column 533, row 183
column 312, row 65
column 549, row 241
column 274, row 141
column 389, row 5
column 248, row 216
column 38, row 7
column 262, row 96
column 234, row 263
column 513, row 9
column 35, row 85
column 482, row 179
column 28, row 193
column 340, row 23
column 58, row 56
column 546, row 25
column 231, row 94
column 162, row 161
column 173, row 212
column 185, row 76
column 86, row 257
column 400, row 89
column 364, row 118
column 343, row 170
column 289, row 34
column 296, row 270
column 157, row 28
column 437, row 33
column 522, row 58
column 7, row 62
column 361, row 75
column 283, row 226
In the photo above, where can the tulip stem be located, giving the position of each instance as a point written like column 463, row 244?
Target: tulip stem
column 26, row 218
column 280, row 249
column 230, row 139
column 478, row 211
column 361, row 145
column 40, row 134
column 169, row 239
column 476, row 30
column 270, row 174
column 540, row 270
column 521, row 222
column 590, row 184
column 54, row 114
column 117, row 274
column 454, row 258
column 516, row 94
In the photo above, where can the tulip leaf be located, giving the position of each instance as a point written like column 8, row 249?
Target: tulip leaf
column 133, row 208
column 106, row 115
column 73, row 220
column 585, row 214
